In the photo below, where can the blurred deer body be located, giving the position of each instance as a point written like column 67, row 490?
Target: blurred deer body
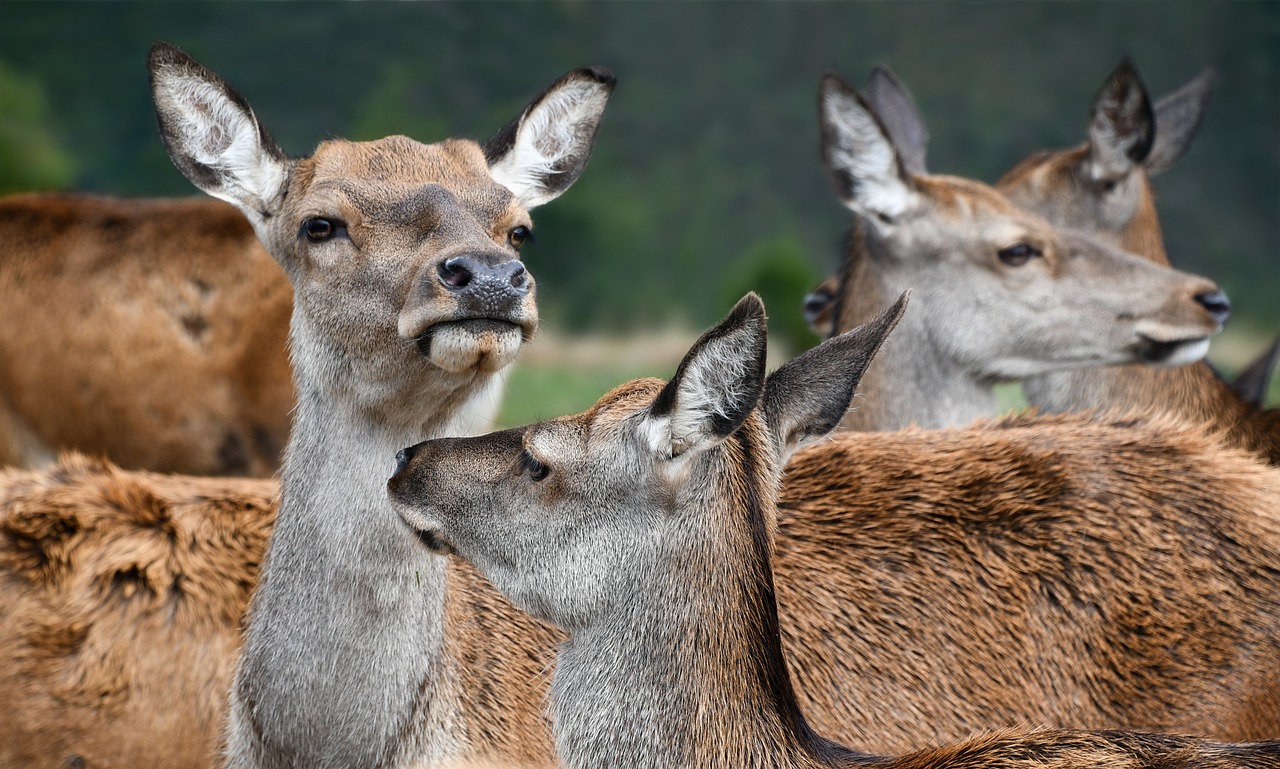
column 1001, row 294
column 152, row 332
column 125, row 593
column 650, row 526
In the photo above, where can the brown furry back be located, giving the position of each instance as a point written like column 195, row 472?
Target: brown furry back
column 116, row 587
column 1118, row 574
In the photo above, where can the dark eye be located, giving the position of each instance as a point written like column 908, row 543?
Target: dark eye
column 537, row 471
column 318, row 228
column 1018, row 254
column 519, row 236
column 1108, row 185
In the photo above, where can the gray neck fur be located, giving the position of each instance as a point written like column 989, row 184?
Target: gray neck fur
column 343, row 663
column 913, row 380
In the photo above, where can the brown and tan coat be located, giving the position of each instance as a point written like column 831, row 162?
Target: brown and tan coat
column 645, row 527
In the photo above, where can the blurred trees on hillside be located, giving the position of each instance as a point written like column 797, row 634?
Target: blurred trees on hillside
column 709, row 152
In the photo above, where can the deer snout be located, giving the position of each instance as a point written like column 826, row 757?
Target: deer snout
column 468, row 274
column 1215, row 303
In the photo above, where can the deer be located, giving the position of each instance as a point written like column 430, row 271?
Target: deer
column 1105, row 186
column 645, row 528
column 1002, row 294
column 125, row 592
column 1057, row 186
column 175, row 361
column 111, row 656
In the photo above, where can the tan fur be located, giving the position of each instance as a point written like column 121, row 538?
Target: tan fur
column 121, row 603
column 149, row 331
column 879, row 581
column 1045, row 182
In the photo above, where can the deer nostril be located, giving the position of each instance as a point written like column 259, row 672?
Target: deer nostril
column 519, row 277
column 454, row 272
column 403, row 457
column 1216, row 304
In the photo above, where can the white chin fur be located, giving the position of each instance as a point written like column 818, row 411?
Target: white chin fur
column 1187, row 353
column 459, row 349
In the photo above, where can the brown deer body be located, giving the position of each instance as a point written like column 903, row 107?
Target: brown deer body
column 124, row 594
column 1001, row 294
column 645, row 527
column 175, row 360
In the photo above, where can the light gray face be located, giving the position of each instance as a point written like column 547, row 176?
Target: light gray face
column 572, row 516
column 562, row 516
column 395, row 249
column 1001, row 292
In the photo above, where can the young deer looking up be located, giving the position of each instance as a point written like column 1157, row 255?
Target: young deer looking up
column 124, row 594
column 645, row 528
column 1000, row 293
column 1103, row 186
column 152, row 332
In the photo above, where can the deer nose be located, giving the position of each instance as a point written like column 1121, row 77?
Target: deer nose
column 1216, row 304
column 403, row 457
column 465, row 274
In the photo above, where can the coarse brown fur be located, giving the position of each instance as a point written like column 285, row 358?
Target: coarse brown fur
column 667, row 583
column 148, row 331
column 121, row 598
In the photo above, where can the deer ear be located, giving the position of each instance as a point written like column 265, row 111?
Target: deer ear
column 898, row 113
column 541, row 153
column 1253, row 383
column 861, row 163
column 716, row 386
column 213, row 136
column 1121, row 124
column 807, row 398
column 1178, row 117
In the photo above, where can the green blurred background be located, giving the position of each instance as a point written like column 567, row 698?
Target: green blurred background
column 705, row 181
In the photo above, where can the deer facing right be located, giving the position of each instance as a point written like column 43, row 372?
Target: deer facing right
column 645, row 528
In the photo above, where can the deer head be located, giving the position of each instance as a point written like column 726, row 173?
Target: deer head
column 1001, row 292
column 404, row 257
column 1102, row 185
column 562, row 515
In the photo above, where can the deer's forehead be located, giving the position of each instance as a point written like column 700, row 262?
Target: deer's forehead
column 397, row 176
column 983, row 209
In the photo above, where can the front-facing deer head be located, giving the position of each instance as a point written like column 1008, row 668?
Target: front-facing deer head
column 568, row 516
column 1001, row 293
column 404, row 257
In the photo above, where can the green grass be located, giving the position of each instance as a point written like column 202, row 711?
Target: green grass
column 537, row 392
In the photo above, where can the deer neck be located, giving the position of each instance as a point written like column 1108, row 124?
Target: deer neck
column 344, row 661
column 913, row 380
column 687, row 670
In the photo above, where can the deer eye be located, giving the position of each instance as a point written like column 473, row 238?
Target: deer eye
column 1018, row 254
column 518, row 236
column 319, row 228
column 537, row 471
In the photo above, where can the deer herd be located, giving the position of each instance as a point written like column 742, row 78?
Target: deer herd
column 727, row 569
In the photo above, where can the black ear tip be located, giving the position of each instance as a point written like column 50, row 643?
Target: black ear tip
column 882, row 73
column 749, row 308
column 833, row 83
column 163, row 53
column 602, row 75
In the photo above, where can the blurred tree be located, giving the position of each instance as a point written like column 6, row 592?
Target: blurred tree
column 779, row 270
column 30, row 157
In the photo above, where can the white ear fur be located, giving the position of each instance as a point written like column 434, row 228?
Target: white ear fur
column 213, row 136
column 1121, row 124
column 716, row 386
column 553, row 140
column 861, row 162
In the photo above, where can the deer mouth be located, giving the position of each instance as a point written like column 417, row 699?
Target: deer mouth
column 1171, row 353
column 484, row 343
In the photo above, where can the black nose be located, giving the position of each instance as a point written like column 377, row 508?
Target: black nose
column 474, row 274
column 402, row 458
column 1216, row 304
